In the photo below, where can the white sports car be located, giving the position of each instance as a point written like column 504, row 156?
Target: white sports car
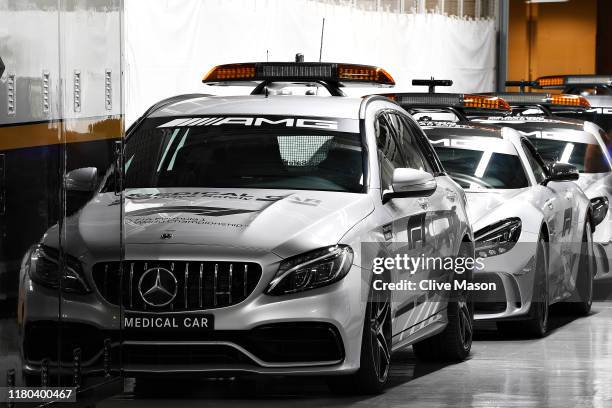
column 532, row 224
column 575, row 141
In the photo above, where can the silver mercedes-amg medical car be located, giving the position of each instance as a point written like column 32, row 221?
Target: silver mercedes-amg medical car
column 574, row 141
column 533, row 225
column 251, row 227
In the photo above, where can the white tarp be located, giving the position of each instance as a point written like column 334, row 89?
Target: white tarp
column 171, row 44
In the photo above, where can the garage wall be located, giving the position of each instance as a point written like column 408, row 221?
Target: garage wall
column 551, row 38
column 171, row 44
column 604, row 37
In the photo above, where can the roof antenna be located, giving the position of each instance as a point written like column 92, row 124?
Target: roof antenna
column 322, row 32
column 432, row 86
column 522, row 84
column 266, row 91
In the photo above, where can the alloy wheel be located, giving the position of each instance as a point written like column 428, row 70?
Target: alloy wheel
column 380, row 333
column 465, row 321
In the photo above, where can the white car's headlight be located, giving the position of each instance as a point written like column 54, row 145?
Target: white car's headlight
column 312, row 270
column 498, row 238
column 43, row 268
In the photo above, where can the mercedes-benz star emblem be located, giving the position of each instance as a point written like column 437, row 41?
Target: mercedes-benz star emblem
column 157, row 287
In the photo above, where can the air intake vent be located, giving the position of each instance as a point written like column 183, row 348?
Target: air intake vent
column 11, row 95
column 108, row 89
column 76, row 90
column 46, row 88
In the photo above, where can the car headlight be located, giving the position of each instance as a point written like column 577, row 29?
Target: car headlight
column 44, row 270
column 599, row 206
column 498, row 238
column 312, row 270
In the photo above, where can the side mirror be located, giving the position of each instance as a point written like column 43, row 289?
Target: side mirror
column 410, row 183
column 561, row 172
column 84, row 179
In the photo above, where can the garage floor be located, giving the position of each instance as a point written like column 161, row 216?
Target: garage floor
column 571, row 367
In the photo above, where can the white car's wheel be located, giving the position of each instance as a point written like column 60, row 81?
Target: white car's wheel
column 455, row 342
column 375, row 360
column 583, row 300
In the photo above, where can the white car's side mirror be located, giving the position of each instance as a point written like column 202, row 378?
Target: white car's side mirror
column 410, row 183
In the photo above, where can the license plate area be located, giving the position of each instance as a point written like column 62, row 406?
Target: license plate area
column 168, row 322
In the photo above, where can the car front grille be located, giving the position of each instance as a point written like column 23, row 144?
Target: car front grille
column 199, row 285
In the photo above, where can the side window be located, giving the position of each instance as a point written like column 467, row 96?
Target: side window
column 426, row 147
column 388, row 152
column 410, row 146
column 536, row 163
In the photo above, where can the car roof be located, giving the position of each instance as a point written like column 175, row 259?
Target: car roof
column 447, row 128
column 317, row 106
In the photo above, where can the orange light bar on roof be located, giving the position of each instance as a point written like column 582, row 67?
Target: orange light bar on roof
column 551, row 81
column 231, row 72
column 364, row 73
column 299, row 72
column 569, row 100
column 486, row 102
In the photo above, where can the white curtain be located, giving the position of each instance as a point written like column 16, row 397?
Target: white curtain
column 171, row 44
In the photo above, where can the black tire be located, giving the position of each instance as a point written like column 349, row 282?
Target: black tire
column 375, row 360
column 583, row 300
column 537, row 324
column 455, row 342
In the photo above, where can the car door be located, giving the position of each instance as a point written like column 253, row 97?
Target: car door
column 404, row 218
column 442, row 224
column 558, row 207
column 420, row 230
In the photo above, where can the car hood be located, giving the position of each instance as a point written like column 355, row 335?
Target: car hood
column 483, row 203
column 284, row 222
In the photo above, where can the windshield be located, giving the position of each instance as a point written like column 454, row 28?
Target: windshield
column 588, row 158
column 246, row 152
column 482, row 169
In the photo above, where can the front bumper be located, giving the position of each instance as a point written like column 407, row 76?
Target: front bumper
column 314, row 332
column 602, row 246
column 513, row 275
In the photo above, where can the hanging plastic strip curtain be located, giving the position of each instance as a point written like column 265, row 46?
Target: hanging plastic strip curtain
column 171, row 45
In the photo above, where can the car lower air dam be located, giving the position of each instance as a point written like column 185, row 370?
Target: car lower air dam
column 497, row 239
